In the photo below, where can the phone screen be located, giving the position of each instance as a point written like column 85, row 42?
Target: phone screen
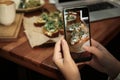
column 77, row 32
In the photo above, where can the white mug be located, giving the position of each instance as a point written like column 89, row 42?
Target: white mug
column 7, row 12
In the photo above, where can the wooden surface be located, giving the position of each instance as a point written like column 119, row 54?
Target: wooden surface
column 39, row 59
column 10, row 32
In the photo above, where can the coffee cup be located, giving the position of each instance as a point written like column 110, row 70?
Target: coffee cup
column 7, row 12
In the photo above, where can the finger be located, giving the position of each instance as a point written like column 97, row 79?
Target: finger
column 92, row 50
column 81, row 64
column 94, row 43
column 57, row 54
column 65, row 48
column 98, row 45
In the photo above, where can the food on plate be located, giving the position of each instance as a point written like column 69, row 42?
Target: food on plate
column 50, row 30
column 78, row 33
column 32, row 3
column 51, row 23
column 60, row 26
column 71, row 17
column 41, row 20
column 57, row 17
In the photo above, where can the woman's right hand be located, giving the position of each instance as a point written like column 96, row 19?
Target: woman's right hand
column 102, row 60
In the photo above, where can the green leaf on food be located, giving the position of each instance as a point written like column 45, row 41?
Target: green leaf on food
column 50, row 26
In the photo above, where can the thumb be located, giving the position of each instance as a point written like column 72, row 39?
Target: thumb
column 93, row 50
column 65, row 48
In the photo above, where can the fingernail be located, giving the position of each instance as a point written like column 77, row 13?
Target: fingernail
column 63, row 40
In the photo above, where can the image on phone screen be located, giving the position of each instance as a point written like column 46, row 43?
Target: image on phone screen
column 77, row 32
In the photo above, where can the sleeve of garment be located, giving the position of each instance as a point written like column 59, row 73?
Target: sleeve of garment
column 117, row 78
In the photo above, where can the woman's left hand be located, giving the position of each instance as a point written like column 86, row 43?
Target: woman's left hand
column 64, row 61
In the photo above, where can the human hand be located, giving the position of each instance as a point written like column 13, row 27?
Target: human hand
column 64, row 61
column 102, row 60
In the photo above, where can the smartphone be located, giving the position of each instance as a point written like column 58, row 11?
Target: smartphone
column 77, row 32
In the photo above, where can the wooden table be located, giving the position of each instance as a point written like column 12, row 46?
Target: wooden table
column 40, row 59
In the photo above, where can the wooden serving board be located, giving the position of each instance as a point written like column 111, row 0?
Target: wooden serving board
column 10, row 33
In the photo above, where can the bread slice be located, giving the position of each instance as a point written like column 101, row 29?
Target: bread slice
column 39, row 22
column 50, row 34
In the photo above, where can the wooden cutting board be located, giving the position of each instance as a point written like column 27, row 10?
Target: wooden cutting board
column 10, row 33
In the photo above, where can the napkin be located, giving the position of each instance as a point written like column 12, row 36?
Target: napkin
column 34, row 34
